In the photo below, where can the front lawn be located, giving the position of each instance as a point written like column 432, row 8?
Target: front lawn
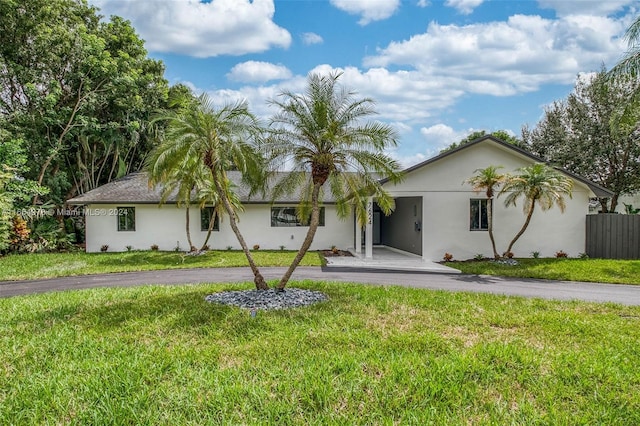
column 370, row 355
column 50, row 265
column 590, row 270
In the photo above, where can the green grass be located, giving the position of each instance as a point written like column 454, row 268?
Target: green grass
column 50, row 265
column 161, row 355
column 590, row 270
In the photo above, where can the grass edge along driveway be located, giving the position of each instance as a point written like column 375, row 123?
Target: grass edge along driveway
column 52, row 265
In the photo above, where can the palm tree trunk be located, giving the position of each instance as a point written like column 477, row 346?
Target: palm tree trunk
column 187, row 221
column 258, row 278
column 212, row 220
column 313, row 227
column 524, row 227
column 490, row 225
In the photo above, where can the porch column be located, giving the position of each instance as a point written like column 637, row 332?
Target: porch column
column 368, row 243
column 358, row 238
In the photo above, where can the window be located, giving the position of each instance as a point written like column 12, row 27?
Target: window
column 286, row 216
column 126, row 218
column 205, row 219
column 479, row 221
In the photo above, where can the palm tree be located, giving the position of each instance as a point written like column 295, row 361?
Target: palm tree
column 181, row 180
column 320, row 135
column 538, row 184
column 220, row 139
column 629, row 65
column 207, row 195
column 488, row 179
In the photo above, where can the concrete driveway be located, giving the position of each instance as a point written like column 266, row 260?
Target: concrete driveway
column 545, row 289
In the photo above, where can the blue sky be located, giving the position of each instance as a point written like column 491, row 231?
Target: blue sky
column 438, row 70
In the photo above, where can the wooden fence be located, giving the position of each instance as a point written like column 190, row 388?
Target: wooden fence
column 613, row 236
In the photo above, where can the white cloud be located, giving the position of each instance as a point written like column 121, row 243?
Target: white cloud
column 401, row 127
column 258, row 96
column 407, row 161
column 311, row 38
column 585, row 7
column 416, row 80
column 258, row 72
column 188, row 27
column 585, row 77
column 440, row 136
column 432, row 140
column 424, row 3
column 401, row 96
column 464, row 6
column 507, row 58
column 369, row 10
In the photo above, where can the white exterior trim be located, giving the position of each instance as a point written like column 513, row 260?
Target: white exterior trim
column 368, row 235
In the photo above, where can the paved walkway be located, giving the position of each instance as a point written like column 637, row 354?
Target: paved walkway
column 389, row 259
column 560, row 290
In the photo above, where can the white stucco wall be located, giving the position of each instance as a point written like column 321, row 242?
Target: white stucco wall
column 165, row 226
column 445, row 221
column 633, row 200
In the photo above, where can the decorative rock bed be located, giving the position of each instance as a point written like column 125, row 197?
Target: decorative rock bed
column 268, row 299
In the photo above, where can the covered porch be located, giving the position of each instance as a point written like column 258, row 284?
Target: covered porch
column 401, row 230
column 391, row 242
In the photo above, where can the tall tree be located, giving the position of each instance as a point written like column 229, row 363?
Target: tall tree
column 500, row 134
column 190, row 184
column 600, row 120
column 208, row 197
column 324, row 137
column 488, row 180
column 180, row 181
column 537, row 184
column 15, row 190
column 77, row 90
column 6, row 207
column 221, row 139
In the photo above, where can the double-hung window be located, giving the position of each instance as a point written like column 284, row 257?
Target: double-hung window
column 478, row 217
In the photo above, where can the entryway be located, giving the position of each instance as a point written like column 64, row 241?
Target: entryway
column 388, row 258
column 401, row 230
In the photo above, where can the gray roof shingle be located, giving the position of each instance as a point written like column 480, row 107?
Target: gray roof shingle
column 134, row 189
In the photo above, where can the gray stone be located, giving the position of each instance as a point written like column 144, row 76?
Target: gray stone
column 268, row 299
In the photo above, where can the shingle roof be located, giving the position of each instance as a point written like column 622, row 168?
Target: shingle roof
column 134, row 189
